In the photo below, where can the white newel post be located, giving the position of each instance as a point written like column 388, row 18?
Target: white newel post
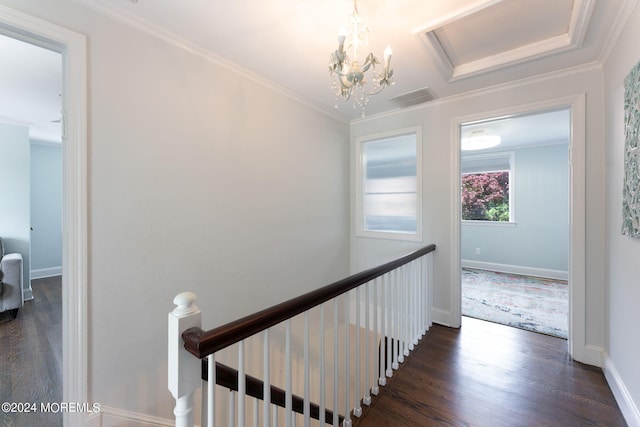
column 184, row 368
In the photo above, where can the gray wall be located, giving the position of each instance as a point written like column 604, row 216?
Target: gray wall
column 14, row 193
column 539, row 238
column 200, row 178
column 46, row 209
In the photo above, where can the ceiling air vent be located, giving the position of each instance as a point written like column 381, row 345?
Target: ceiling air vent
column 416, row 97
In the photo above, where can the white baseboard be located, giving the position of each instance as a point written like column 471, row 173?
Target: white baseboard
column 441, row 317
column 516, row 269
column 627, row 406
column 115, row 417
column 27, row 294
column 46, row 272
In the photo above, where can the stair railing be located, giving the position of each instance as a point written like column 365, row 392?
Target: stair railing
column 306, row 360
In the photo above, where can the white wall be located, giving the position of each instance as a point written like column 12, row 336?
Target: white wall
column 437, row 120
column 623, row 269
column 538, row 240
column 200, row 179
column 14, row 195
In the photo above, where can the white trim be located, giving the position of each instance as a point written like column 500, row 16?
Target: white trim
column 620, row 24
column 628, row 407
column 46, row 272
column 112, row 417
column 442, row 317
column 578, row 346
column 359, row 210
column 485, row 91
column 571, row 40
column 74, row 246
column 516, row 269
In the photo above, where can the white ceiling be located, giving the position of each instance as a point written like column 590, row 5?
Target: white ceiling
column 449, row 46
column 544, row 128
column 31, row 88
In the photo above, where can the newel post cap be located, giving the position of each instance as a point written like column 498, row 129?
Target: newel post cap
column 185, row 304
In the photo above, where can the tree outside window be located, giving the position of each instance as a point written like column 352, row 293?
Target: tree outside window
column 485, row 196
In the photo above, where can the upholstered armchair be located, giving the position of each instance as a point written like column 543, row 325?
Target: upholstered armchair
column 10, row 282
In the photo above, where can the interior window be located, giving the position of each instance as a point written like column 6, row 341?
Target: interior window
column 389, row 183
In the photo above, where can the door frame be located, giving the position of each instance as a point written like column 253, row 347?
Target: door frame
column 72, row 46
column 577, row 347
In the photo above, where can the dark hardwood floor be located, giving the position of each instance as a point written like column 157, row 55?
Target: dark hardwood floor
column 486, row 374
column 31, row 355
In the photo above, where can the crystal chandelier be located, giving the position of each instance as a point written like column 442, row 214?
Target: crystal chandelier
column 347, row 75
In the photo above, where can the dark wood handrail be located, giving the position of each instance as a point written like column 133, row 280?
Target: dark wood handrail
column 202, row 343
column 228, row 377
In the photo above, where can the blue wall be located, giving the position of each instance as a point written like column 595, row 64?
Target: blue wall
column 14, row 194
column 539, row 239
column 46, row 209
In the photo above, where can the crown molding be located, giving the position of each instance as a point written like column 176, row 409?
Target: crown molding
column 572, row 40
column 514, row 84
column 619, row 25
column 107, row 9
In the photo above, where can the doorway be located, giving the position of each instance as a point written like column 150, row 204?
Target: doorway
column 577, row 347
column 514, row 220
column 31, row 220
column 72, row 46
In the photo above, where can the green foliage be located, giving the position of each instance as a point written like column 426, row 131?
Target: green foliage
column 485, row 196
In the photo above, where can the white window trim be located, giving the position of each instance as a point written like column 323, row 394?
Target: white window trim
column 512, row 191
column 360, row 231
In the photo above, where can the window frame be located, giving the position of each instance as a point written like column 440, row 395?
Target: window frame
column 360, row 142
column 510, row 155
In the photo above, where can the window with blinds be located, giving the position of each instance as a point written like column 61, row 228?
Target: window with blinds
column 389, row 186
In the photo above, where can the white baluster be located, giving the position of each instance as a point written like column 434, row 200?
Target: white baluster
column 416, row 307
column 347, row 361
column 423, row 296
column 430, row 289
column 367, row 330
column 288, row 380
column 411, row 327
column 232, row 408
column 183, row 368
column 377, row 336
column 388, row 338
column 242, row 384
column 417, row 304
column 307, row 403
column 321, row 358
column 357, row 410
column 396, row 318
column 266, row 390
column 406, row 327
column 256, row 413
column 404, row 311
column 211, row 390
column 336, row 364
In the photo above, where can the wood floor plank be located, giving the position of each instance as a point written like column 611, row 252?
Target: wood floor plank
column 31, row 355
column 485, row 374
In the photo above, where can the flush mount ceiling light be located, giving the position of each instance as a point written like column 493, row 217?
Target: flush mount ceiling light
column 479, row 139
column 347, row 75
